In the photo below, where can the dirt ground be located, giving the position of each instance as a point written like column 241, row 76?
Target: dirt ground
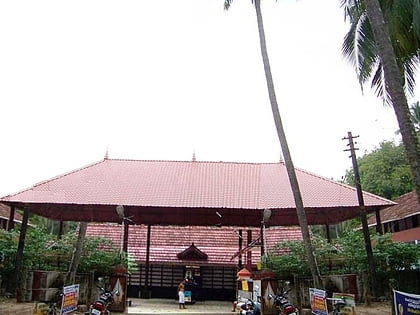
column 377, row 308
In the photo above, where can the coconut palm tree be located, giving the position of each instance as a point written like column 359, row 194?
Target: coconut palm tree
column 77, row 253
column 415, row 115
column 386, row 38
column 359, row 46
column 300, row 210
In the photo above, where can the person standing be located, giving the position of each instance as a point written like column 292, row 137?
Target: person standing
column 181, row 294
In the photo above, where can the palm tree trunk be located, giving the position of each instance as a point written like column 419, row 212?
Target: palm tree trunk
column 394, row 88
column 77, row 254
column 286, row 153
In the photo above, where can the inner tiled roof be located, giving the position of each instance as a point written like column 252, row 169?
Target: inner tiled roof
column 219, row 243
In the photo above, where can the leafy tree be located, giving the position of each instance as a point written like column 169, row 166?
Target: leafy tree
column 345, row 255
column 44, row 251
column 384, row 171
column 300, row 210
column 288, row 258
column 380, row 24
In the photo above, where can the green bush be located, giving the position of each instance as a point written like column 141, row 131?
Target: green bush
column 43, row 251
column 345, row 255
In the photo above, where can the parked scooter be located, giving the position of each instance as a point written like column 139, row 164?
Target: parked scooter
column 100, row 306
column 249, row 307
column 283, row 305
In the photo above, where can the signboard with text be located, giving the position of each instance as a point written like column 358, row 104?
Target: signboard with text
column 406, row 303
column 318, row 301
column 70, row 298
column 350, row 303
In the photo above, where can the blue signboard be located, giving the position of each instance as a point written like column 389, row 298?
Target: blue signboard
column 406, row 303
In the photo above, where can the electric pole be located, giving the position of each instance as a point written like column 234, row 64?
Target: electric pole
column 363, row 217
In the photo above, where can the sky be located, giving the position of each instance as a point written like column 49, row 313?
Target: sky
column 165, row 79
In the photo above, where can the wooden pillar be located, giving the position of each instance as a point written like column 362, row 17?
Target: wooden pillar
column 125, row 238
column 327, row 232
column 262, row 239
column 11, row 222
column 146, row 271
column 60, row 236
column 19, row 254
column 60, row 230
column 249, row 253
column 379, row 228
column 240, row 249
column 328, row 235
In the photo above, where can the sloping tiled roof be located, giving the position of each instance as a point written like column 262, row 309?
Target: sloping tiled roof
column 91, row 193
column 407, row 205
column 219, row 243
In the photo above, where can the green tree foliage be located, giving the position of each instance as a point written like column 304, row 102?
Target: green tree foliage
column 345, row 255
column 288, row 257
column 384, row 171
column 43, row 251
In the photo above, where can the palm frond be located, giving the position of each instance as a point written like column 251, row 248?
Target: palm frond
column 416, row 18
column 415, row 115
column 227, row 4
column 378, row 85
column 359, row 46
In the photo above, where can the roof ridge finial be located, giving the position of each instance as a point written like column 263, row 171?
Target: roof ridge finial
column 106, row 154
column 281, row 160
column 193, row 157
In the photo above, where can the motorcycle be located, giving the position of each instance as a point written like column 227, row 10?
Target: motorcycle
column 283, row 305
column 249, row 307
column 100, row 306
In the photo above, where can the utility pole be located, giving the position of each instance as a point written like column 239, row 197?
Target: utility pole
column 363, row 217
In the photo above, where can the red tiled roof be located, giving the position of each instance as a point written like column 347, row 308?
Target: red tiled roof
column 220, row 244
column 407, row 205
column 93, row 192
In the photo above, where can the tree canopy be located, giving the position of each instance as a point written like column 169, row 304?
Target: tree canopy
column 346, row 255
column 43, row 251
column 384, row 171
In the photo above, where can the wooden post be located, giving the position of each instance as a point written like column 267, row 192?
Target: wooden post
column 240, row 249
column 249, row 253
column 146, row 271
column 19, row 254
column 327, row 232
column 262, row 239
column 60, row 229
column 125, row 238
column 379, row 228
column 11, row 222
column 363, row 218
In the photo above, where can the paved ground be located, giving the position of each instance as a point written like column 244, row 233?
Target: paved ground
column 138, row 306
column 167, row 306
